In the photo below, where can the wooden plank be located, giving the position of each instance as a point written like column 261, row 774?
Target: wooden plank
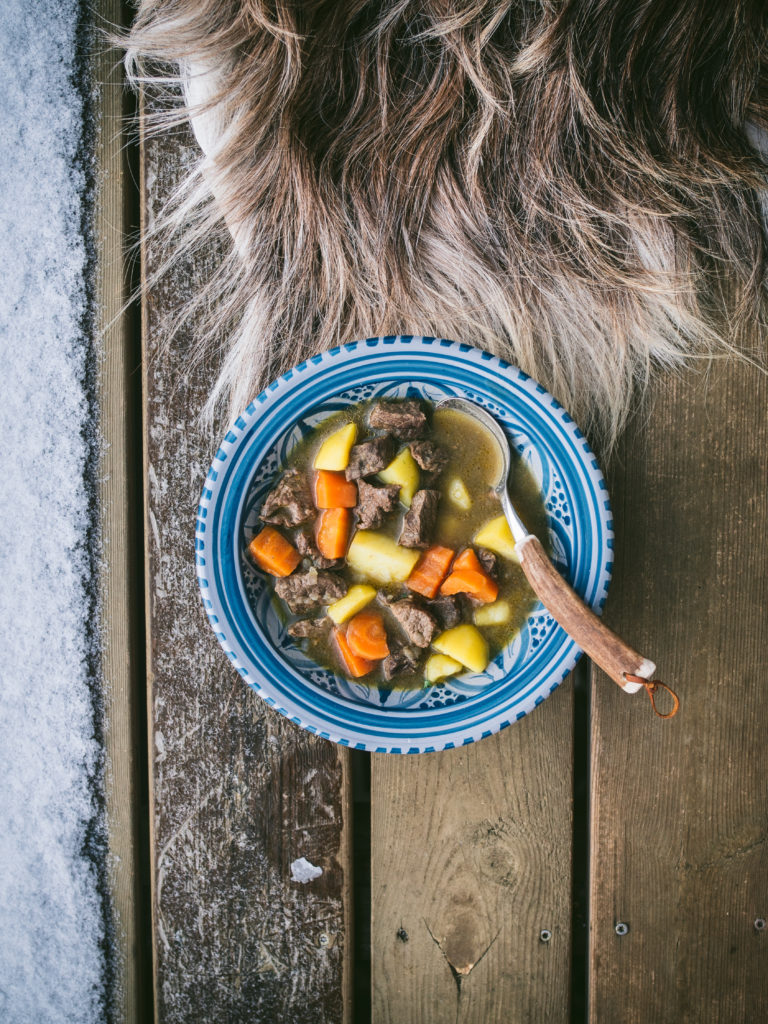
column 679, row 850
column 471, row 860
column 119, row 491
column 237, row 792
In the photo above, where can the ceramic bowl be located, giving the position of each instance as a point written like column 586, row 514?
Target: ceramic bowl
column 238, row 600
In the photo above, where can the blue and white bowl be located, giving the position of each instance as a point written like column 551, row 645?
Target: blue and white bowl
column 239, row 602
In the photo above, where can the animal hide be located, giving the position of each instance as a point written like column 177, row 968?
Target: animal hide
column 567, row 183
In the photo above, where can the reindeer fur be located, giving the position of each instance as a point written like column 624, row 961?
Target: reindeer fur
column 567, row 183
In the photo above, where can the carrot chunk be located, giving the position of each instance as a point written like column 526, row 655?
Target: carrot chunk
column 367, row 637
column 352, row 664
column 332, row 532
column 468, row 560
column 430, row 571
column 273, row 553
column 469, row 577
column 333, row 490
column 476, row 584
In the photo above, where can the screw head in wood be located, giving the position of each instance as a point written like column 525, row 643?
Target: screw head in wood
column 324, row 939
column 545, row 935
column 760, row 924
column 621, row 928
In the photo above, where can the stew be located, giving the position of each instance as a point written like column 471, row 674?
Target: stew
column 387, row 548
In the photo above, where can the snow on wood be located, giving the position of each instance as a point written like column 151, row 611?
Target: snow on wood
column 51, row 960
column 303, row 871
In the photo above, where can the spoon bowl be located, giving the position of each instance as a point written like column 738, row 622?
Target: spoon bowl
column 482, row 416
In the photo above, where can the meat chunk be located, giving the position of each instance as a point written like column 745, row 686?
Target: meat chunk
column 401, row 658
column 489, row 561
column 306, row 590
column 312, row 629
column 405, row 419
column 373, row 503
column 449, row 611
column 429, row 456
column 419, row 626
column 419, row 520
column 370, row 456
column 306, row 546
column 290, row 503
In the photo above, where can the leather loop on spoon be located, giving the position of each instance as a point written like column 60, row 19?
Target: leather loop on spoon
column 651, row 686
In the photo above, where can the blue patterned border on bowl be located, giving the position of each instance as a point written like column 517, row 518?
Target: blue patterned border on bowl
column 239, row 602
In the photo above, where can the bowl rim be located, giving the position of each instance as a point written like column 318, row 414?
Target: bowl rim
column 215, row 490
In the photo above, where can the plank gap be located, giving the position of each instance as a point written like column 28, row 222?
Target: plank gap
column 360, row 770
column 135, row 433
column 120, row 493
column 580, row 849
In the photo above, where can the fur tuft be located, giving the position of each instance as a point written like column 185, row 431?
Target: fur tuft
column 567, row 184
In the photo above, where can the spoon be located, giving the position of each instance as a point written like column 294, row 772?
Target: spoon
column 615, row 657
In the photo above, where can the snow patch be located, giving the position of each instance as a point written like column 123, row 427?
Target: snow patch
column 51, row 960
column 302, row 871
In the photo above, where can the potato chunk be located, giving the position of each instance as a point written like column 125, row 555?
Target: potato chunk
column 458, row 494
column 495, row 614
column 377, row 557
column 465, row 644
column 403, row 471
column 497, row 536
column 440, row 666
column 333, row 453
column 355, row 599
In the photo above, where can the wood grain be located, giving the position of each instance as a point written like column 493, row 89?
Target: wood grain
column 471, row 860
column 237, row 792
column 679, row 827
column 119, row 491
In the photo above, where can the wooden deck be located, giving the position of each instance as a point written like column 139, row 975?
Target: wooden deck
column 589, row 863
